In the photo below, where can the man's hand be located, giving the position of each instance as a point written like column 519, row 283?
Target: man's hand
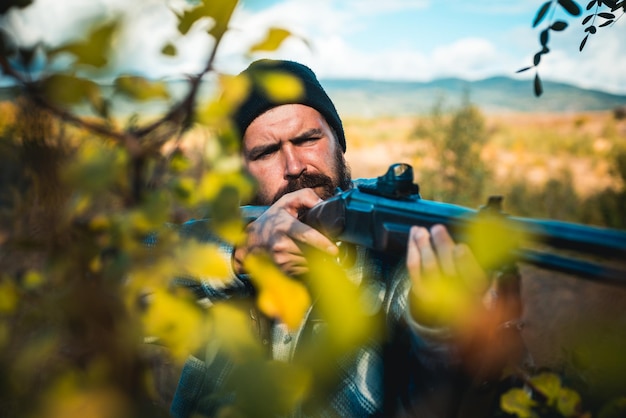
column 447, row 283
column 450, row 290
column 279, row 233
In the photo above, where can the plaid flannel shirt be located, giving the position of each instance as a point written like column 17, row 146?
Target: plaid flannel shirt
column 405, row 375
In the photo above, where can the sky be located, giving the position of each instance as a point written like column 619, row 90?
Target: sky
column 367, row 39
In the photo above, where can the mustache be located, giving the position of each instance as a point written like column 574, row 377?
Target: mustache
column 308, row 180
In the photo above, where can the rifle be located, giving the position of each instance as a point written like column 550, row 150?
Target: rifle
column 378, row 213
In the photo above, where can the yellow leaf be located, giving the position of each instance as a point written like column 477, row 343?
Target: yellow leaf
column 169, row 50
column 95, row 49
column 549, row 384
column 95, row 264
column 219, row 11
column 518, row 401
column 99, row 222
column 140, row 88
column 231, row 91
column 156, row 275
column 445, row 301
column 8, row 296
column 32, row 279
column 568, row 402
column 278, row 295
column 177, row 323
column 280, row 86
column 272, row 41
column 202, row 260
column 233, row 333
column 93, row 402
column 70, row 90
column 492, row 241
column 348, row 309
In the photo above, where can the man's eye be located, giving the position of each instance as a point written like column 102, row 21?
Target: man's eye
column 309, row 140
column 263, row 154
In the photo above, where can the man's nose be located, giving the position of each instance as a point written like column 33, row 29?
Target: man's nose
column 294, row 167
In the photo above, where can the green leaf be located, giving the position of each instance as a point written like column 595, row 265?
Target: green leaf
column 591, row 4
column 521, row 70
column 559, row 25
column 537, row 59
column 583, row 42
column 538, row 86
column 570, row 7
column 169, row 50
column 606, row 15
column 607, row 23
column 139, row 88
column 272, row 41
column 541, row 14
column 544, row 36
column 93, row 51
column 219, row 11
column 591, row 29
column 69, row 90
column 586, row 19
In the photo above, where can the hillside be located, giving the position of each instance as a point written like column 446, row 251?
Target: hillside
column 493, row 95
column 369, row 98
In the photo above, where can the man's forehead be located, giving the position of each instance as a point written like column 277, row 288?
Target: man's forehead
column 283, row 122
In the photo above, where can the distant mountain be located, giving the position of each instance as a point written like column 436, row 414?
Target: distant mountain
column 369, row 98
column 496, row 94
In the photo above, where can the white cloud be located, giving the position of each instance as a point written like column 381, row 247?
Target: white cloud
column 328, row 26
column 55, row 22
column 470, row 58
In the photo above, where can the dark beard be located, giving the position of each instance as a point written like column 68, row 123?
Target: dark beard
column 329, row 187
column 308, row 180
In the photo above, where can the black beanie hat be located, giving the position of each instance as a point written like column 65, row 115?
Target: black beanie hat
column 258, row 101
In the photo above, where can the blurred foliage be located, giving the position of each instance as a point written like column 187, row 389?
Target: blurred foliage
column 90, row 324
column 90, row 321
column 457, row 139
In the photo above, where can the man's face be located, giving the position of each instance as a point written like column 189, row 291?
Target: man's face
column 291, row 147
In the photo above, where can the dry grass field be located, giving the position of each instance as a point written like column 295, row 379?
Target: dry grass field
column 529, row 147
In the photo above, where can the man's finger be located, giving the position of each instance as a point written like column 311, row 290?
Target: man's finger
column 295, row 202
column 427, row 256
column 444, row 247
column 301, row 232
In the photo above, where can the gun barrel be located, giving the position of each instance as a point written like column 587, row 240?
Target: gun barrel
column 570, row 236
column 383, row 224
